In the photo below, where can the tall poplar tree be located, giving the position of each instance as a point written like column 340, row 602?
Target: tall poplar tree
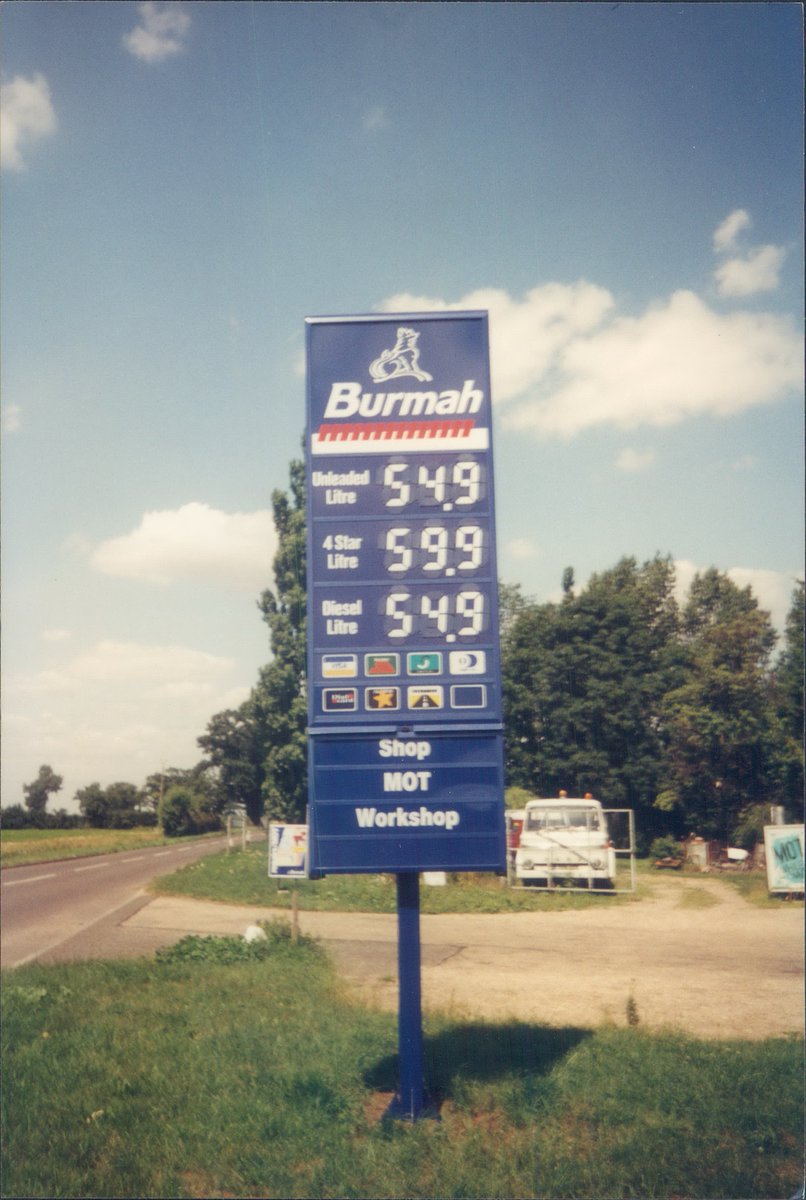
column 280, row 697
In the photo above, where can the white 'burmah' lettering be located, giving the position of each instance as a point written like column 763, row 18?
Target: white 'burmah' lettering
column 401, row 818
column 347, row 400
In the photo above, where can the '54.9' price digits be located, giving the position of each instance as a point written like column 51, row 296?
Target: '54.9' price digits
column 461, row 614
column 458, row 485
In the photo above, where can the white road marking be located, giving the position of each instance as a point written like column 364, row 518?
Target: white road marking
column 32, row 879
column 92, row 867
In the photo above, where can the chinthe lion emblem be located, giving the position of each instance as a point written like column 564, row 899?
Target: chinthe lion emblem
column 402, row 359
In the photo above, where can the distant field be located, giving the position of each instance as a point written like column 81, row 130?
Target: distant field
column 21, row 846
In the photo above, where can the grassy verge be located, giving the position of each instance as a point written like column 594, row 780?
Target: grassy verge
column 21, row 847
column 218, row 1072
column 242, row 878
column 752, row 885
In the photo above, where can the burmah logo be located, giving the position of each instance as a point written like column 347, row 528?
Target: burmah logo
column 402, row 359
column 358, row 422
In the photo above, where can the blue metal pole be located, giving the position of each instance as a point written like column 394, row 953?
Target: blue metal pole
column 410, row 1100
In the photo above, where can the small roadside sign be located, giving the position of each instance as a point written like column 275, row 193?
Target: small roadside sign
column 288, row 851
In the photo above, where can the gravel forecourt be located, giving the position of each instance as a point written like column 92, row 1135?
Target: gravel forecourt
column 727, row 969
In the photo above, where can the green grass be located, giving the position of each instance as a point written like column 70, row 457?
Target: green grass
column 242, row 878
column 692, row 896
column 211, row 1073
column 752, row 886
column 19, row 847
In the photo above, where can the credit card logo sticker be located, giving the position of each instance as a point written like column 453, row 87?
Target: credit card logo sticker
column 424, row 664
column 425, row 697
column 381, row 664
column 467, row 662
column 387, row 698
column 339, row 666
column 468, row 695
column 339, row 700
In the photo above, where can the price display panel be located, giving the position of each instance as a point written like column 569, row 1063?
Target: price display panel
column 402, row 578
column 403, row 608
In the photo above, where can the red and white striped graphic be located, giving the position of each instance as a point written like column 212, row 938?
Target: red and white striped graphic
column 379, row 437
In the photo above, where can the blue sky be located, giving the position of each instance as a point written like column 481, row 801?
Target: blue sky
column 619, row 185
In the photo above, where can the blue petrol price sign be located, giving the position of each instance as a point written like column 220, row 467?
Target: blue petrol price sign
column 402, row 596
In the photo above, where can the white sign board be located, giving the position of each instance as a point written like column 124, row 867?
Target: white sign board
column 783, row 845
column 288, row 851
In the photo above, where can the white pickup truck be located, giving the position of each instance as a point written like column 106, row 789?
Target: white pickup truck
column 565, row 840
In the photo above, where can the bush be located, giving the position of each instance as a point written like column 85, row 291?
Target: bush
column 184, row 812
column 18, row 817
column 225, row 950
column 517, row 797
column 749, row 828
column 665, row 847
column 14, row 817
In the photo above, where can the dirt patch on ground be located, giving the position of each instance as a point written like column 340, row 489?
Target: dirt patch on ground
column 723, row 968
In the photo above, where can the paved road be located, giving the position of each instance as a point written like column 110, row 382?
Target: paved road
column 49, row 905
column 727, row 970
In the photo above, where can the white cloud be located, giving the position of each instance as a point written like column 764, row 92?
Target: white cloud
column 748, row 462
column 194, row 542
column 375, row 119
column 564, row 360
column 118, row 710
column 678, row 360
column 758, row 271
column 635, row 460
column 11, row 418
column 115, row 664
column 521, row 548
column 725, row 235
column 161, row 33
column 55, row 635
column 772, row 589
column 26, row 114
column 526, row 336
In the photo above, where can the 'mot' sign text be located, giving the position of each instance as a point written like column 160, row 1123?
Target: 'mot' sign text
column 403, row 658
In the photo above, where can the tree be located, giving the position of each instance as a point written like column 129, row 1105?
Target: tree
column 790, row 667
column 234, row 747
column 280, row 698
column 200, row 779
column 787, row 701
column 260, row 749
column 37, row 792
column 583, row 681
column 716, row 723
column 92, row 805
column 118, row 806
column 183, row 812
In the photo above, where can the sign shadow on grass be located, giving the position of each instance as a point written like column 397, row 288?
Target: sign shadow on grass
column 483, row 1052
